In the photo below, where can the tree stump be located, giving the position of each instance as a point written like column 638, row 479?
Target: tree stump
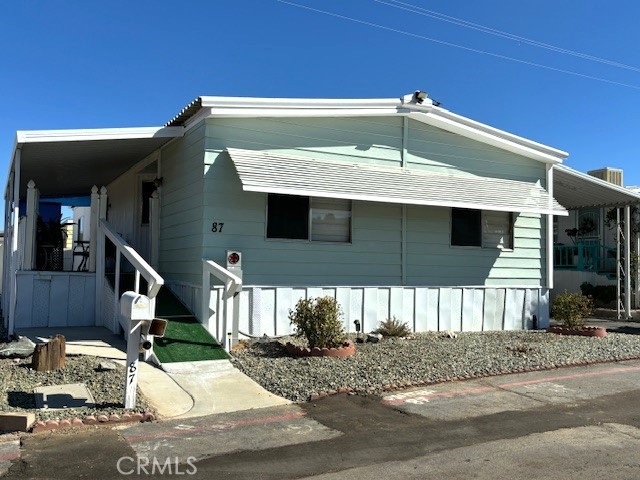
column 50, row 356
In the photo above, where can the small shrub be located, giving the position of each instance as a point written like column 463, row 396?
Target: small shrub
column 392, row 327
column 318, row 320
column 571, row 309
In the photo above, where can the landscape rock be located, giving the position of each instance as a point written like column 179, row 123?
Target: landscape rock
column 374, row 337
column 20, row 348
column 449, row 334
column 106, row 366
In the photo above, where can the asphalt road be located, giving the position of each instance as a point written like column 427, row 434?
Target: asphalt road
column 581, row 422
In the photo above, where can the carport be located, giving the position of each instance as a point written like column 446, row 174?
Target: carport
column 574, row 190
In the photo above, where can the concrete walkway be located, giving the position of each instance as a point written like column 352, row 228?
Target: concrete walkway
column 186, row 390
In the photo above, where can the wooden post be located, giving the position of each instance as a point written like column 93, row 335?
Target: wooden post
column 50, row 356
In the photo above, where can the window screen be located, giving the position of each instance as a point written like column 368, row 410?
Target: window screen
column 497, row 230
column 330, row 220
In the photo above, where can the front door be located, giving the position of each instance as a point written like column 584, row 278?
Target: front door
column 146, row 187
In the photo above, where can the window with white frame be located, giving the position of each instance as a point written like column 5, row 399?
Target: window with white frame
column 305, row 218
column 481, row 228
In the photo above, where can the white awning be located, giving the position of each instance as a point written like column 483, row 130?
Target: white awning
column 576, row 189
column 277, row 173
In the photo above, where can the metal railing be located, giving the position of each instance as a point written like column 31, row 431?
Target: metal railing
column 141, row 269
column 585, row 257
column 230, row 300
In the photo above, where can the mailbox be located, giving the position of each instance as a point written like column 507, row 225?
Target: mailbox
column 135, row 306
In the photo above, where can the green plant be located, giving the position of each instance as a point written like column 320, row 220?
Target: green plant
column 392, row 327
column 571, row 309
column 318, row 320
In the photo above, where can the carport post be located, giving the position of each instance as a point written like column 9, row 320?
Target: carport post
column 627, row 261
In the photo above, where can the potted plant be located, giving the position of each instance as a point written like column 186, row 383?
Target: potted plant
column 318, row 322
column 571, row 309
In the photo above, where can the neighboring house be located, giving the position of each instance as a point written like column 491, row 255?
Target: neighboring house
column 586, row 241
column 396, row 207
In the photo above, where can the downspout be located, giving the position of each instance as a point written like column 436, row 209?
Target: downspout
column 403, row 233
column 14, row 241
column 549, row 168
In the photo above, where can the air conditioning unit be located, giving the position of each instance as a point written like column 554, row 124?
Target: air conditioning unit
column 608, row 174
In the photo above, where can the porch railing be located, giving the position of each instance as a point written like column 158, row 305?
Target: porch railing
column 585, row 257
column 141, row 270
column 230, row 300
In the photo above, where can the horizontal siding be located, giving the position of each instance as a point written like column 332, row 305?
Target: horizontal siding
column 371, row 140
column 437, row 150
column 181, row 208
column 374, row 256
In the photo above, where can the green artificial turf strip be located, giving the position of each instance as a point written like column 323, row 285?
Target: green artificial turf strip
column 186, row 340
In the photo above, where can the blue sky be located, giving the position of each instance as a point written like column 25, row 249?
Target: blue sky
column 90, row 64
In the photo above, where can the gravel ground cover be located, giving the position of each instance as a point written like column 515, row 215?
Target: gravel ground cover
column 426, row 358
column 17, row 381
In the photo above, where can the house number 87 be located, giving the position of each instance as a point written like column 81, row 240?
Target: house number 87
column 216, row 227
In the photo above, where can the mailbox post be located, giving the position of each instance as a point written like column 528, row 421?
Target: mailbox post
column 136, row 310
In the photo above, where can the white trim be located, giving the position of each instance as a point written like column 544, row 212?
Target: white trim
column 40, row 136
column 14, row 241
column 211, row 106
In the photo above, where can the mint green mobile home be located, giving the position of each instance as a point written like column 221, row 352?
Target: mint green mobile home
column 242, row 206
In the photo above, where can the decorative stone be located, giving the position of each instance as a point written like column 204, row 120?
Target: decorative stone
column 348, row 349
column 374, row 337
column 102, row 418
column 77, row 422
column 65, row 423
column 449, row 334
column 106, row 366
column 20, row 348
column 114, row 418
column 149, row 417
column 90, row 420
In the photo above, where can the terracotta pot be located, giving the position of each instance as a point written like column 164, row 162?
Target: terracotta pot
column 584, row 331
column 348, row 349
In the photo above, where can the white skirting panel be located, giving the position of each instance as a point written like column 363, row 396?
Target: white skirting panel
column 55, row 299
column 265, row 310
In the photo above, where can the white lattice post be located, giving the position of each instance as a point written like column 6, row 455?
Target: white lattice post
column 154, row 216
column 206, row 300
column 14, row 242
column 31, row 226
column 93, row 227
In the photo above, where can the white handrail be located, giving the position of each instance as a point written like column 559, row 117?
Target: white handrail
column 231, row 306
column 223, row 275
column 153, row 278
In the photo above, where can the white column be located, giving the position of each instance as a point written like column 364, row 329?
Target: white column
column 99, row 256
column 638, row 271
column 154, row 217
column 618, row 263
column 206, row 299
column 550, row 229
column 31, row 227
column 14, row 242
column 93, row 227
column 627, row 261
